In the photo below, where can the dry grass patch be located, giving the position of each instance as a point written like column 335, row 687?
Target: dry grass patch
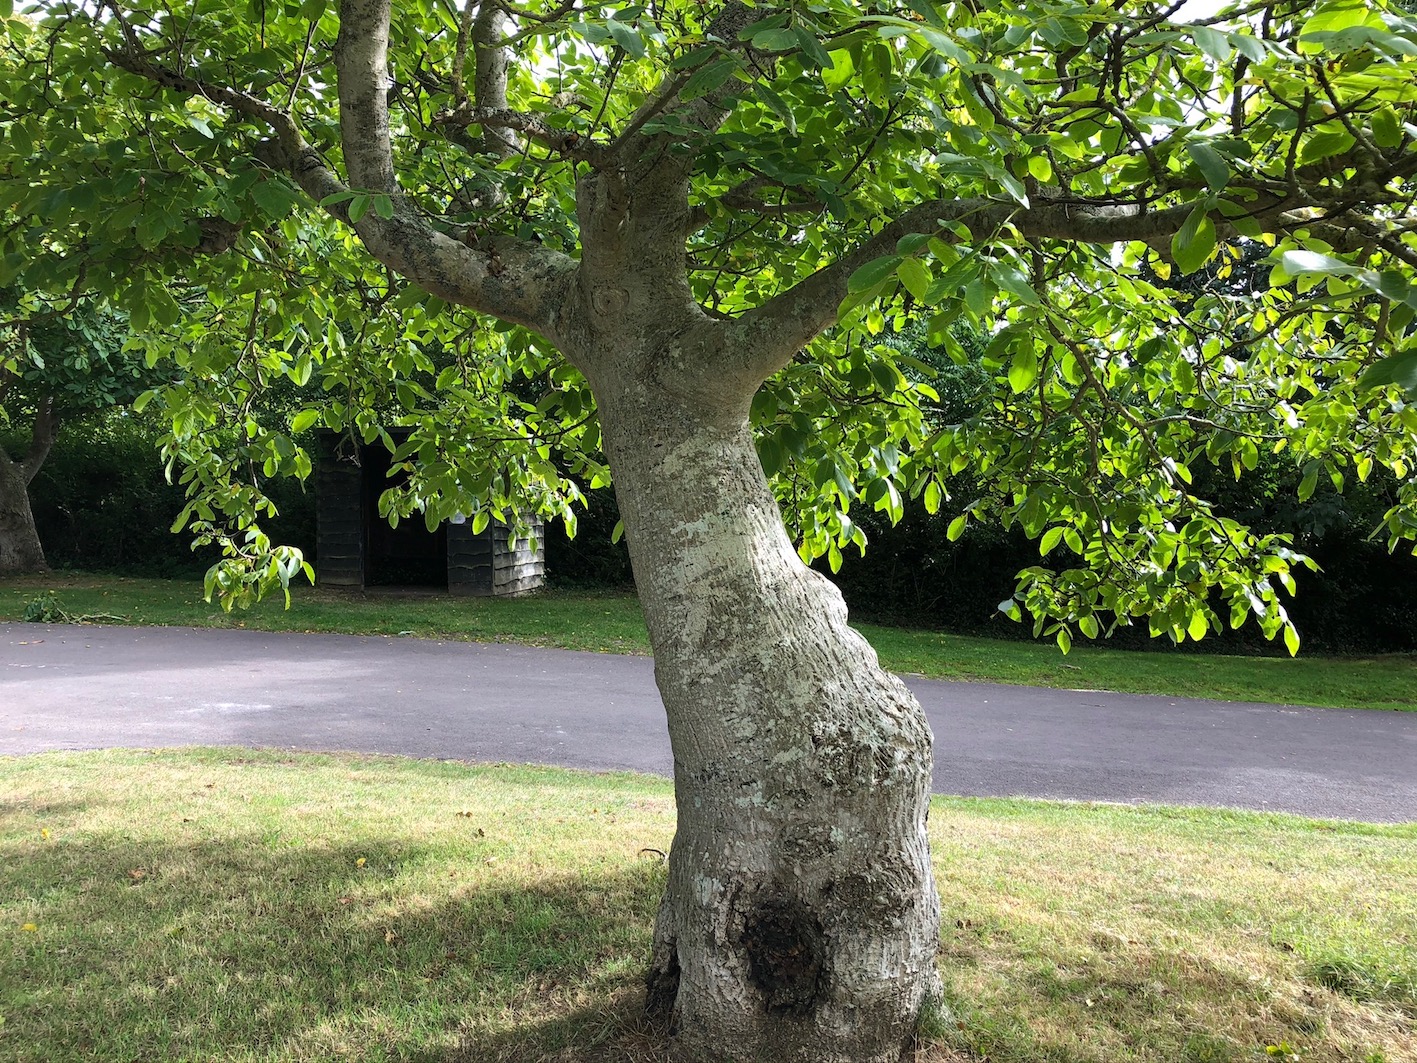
column 258, row 906
column 1081, row 933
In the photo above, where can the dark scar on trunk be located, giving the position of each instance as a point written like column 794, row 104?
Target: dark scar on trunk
column 662, row 989
column 787, row 953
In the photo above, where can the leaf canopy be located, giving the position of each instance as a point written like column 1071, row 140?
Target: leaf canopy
column 1181, row 242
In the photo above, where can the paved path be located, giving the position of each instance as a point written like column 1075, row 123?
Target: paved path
column 64, row 687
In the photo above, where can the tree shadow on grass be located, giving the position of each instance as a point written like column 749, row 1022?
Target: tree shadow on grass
column 614, row 1031
column 245, row 948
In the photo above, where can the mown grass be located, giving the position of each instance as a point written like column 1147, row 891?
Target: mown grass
column 611, row 622
column 242, row 906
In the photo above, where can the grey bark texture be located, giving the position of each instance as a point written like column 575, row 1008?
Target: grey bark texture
column 20, row 549
column 800, row 920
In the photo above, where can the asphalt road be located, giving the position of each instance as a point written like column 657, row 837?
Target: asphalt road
column 66, row 687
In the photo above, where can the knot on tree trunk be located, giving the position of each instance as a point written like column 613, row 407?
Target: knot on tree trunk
column 787, row 953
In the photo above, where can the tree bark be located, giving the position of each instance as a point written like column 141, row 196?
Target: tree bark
column 800, row 921
column 20, row 550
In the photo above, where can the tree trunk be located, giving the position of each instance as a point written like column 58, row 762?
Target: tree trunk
column 19, row 541
column 800, row 921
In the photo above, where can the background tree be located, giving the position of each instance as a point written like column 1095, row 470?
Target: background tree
column 706, row 217
column 52, row 368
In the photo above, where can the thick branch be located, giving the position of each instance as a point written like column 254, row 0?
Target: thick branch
column 513, row 280
column 362, row 62
column 744, row 197
column 775, row 331
column 482, row 28
column 42, row 437
column 490, row 76
column 497, row 125
column 303, row 162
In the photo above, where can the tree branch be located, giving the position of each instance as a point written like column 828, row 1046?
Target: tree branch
column 517, row 281
column 514, row 280
column 774, row 331
column 482, row 27
column 706, row 111
column 564, row 142
column 489, row 92
column 42, row 437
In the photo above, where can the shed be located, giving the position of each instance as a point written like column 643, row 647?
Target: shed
column 356, row 548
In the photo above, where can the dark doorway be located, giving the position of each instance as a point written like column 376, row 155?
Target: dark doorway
column 409, row 555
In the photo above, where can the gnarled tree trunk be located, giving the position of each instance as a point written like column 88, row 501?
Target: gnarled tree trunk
column 19, row 542
column 20, row 550
column 801, row 919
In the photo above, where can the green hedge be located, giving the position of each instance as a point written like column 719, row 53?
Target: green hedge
column 102, row 502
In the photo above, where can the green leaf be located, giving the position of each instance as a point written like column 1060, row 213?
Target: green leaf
column 1051, row 538
column 873, row 273
column 910, row 243
column 1399, row 369
column 627, row 37
column 383, row 206
column 841, row 71
column 1291, row 640
column 915, row 275
column 817, row 57
column 774, row 40
column 1325, row 145
column 692, row 58
column 1212, row 164
column 1013, row 281
column 1310, row 481
column 275, row 197
column 303, row 420
column 1198, row 625
column 1195, row 243
column 1023, row 370
column 776, row 104
column 1212, row 42
column 1013, row 186
column 933, row 497
column 1296, row 263
column 708, row 78
column 1183, row 376
column 956, row 528
column 1010, row 609
column 1387, row 128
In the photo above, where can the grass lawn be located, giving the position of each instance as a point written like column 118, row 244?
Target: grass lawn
column 241, row 906
column 607, row 621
